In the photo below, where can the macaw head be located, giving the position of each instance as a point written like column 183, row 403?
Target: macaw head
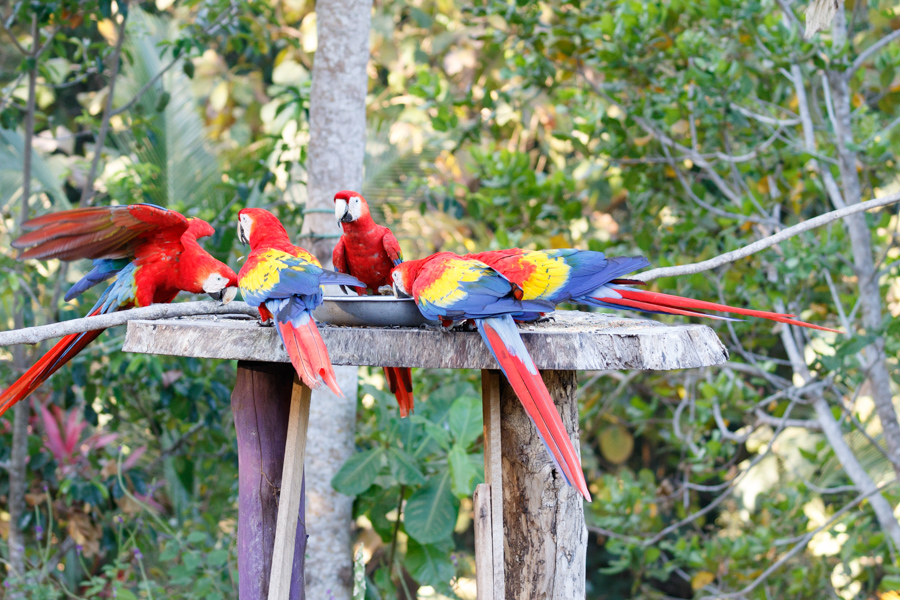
column 349, row 207
column 200, row 272
column 404, row 276
column 256, row 225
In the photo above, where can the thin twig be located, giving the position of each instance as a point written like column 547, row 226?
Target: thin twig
column 153, row 80
column 767, row 242
column 33, row 335
column 868, row 52
column 801, row 545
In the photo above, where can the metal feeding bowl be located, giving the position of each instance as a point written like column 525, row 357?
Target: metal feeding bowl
column 371, row 311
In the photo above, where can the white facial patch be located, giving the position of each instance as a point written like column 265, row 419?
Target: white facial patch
column 355, row 207
column 398, row 283
column 214, row 283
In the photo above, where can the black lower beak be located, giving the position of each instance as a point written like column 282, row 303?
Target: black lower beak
column 217, row 296
column 347, row 218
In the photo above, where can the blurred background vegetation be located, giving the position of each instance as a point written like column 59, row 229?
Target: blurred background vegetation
column 672, row 129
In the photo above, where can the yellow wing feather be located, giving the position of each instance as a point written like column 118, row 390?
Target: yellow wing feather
column 446, row 289
column 549, row 275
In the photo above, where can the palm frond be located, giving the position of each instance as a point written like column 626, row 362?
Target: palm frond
column 187, row 170
column 47, row 174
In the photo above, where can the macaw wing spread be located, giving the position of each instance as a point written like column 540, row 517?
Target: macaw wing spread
column 97, row 232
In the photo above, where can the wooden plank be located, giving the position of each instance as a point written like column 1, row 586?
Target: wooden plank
column 546, row 536
column 260, row 404
column 493, row 474
column 484, row 569
column 291, row 493
column 573, row 340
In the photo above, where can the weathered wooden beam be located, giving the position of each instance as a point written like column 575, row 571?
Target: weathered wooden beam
column 493, row 477
column 281, row 579
column 543, row 517
column 261, row 403
column 573, row 340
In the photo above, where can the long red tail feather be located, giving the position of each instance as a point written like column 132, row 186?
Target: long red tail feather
column 47, row 365
column 532, row 393
column 668, row 303
column 308, row 354
column 400, row 383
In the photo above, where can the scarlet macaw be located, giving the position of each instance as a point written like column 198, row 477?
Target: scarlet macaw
column 448, row 287
column 285, row 282
column 152, row 252
column 587, row 277
column 369, row 251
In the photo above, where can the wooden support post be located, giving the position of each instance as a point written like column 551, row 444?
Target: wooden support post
column 261, row 403
column 493, row 476
column 484, row 563
column 546, row 536
column 281, row 580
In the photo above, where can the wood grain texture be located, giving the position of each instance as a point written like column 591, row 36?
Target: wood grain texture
column 260, row 404
column 573, row 340
column 484, row 569
column 281, row 577
column 493, row 476
column 543, row 516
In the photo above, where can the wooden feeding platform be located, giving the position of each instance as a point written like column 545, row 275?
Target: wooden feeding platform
column 529, row 525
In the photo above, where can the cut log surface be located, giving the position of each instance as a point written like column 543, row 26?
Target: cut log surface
column 570, row 340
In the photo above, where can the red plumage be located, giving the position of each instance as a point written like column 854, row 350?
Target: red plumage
column 285, row 282
column 165, row 259
column 369, row 251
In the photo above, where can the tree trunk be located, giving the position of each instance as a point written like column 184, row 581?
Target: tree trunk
column 18, row 472
column 543, row 516
column 863, row 262
column 337, row 128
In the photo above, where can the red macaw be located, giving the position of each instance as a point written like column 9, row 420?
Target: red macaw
column 448, row 287
column 152, row 252
column 587, row 277
column 369, row 251
column 285, row 282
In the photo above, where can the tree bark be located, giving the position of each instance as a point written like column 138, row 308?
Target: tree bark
column 543, row 516
column 261, row 403
column 337, row 128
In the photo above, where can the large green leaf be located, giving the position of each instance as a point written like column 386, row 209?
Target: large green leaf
column 464, row 473
column 430, row 563
column 404, row 467
column 359, row 472
column 431, row 511
column 466, row 420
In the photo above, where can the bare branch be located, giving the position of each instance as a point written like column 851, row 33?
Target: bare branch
column 762, row 118
column 13, row 39
column 775, row 421
column 868, row 52
column 33, row 335
column 767, row 242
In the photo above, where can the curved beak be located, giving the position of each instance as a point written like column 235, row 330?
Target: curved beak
column 342, row 211
column 398, row 293
column 242, row 238
column 225, row 296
